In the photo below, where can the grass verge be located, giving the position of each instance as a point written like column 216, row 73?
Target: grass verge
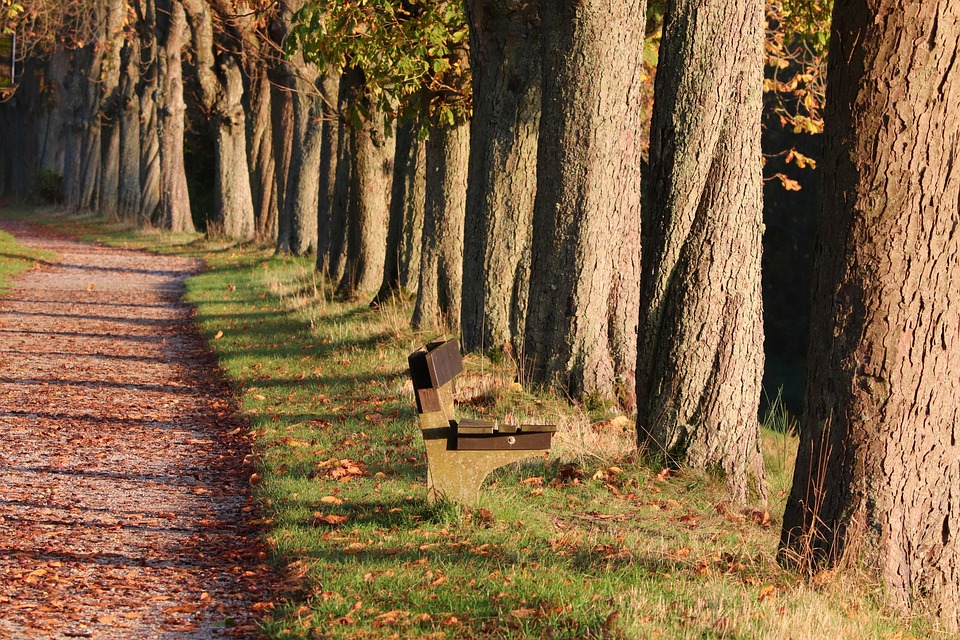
column 586, row 543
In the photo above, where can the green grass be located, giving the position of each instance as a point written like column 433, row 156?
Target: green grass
column 587, row 543
column 16, row 259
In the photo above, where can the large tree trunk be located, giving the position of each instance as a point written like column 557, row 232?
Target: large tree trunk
column 406, row 198
column 75, row 86
column 329, row 141
column 701, row 332
column 174, row 207
column 411, row 238
column 222, row 93
column 110, row 112
column 877, row 472
column 263, row 177
column 128, row 198
column 149, row 114
column 371, row 152
column 336, row 251
column 87, row 196
column 441, row 262
column 302, row 198
column 584, row 285
column 51, row 134
column 505, row 59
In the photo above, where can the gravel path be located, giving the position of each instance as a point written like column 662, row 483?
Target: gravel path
column 124, row 501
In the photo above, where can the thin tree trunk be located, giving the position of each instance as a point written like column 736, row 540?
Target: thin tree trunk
column 441, row 261
column 584, row 284
column 403, row 199
column 701, row 346
column 505, row 59
column 877, row 472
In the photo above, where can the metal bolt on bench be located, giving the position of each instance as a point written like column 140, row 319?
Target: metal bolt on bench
column 460, row 454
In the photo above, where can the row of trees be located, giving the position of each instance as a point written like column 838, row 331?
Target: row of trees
column 488, row 156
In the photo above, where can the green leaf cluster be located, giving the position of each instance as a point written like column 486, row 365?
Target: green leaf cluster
column 413, row 53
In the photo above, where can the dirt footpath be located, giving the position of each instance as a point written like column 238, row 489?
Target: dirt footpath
column 124, row 498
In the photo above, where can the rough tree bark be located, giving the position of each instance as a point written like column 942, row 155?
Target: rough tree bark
column 329, row 141
column 50, row 129
column 701, row 332
column 878, row 468
column 110, row 111
column 87, row 195
column 371, row 155
column 281, row 118
column 128, row 191
column 149, row 112
column 505, row 58
column 173, row 212
column 411, row 238
column 263, row 178
column 406, row 202
column 222, row 95
column 76, row 85
column 298, row 217
column 336, row 249
column 441, row 260
column 584, row 286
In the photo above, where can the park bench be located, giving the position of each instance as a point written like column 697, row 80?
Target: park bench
column 461, row 453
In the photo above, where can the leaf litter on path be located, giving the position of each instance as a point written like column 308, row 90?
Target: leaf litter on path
column 125, row 507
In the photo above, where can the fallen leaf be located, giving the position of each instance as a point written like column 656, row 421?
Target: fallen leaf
column 331, row 519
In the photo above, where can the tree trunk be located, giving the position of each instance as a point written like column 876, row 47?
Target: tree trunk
column 351, row 82
column 221, row 93
column 281, row 115
column 411, row 239
column 584, row 285
column 701, row 346
column 330, row 90
column 405, row 197
column 88, row 177
column 505, row 59
column 441, row 261
column 234, row 200
column 51, row 132
column 263, row 177
column 150, row 53
column 303, row 179
column 128, row 198
column 110, row 112
column 877, row 470
column 75, row 86
column 371, row 152
column 174, row 209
